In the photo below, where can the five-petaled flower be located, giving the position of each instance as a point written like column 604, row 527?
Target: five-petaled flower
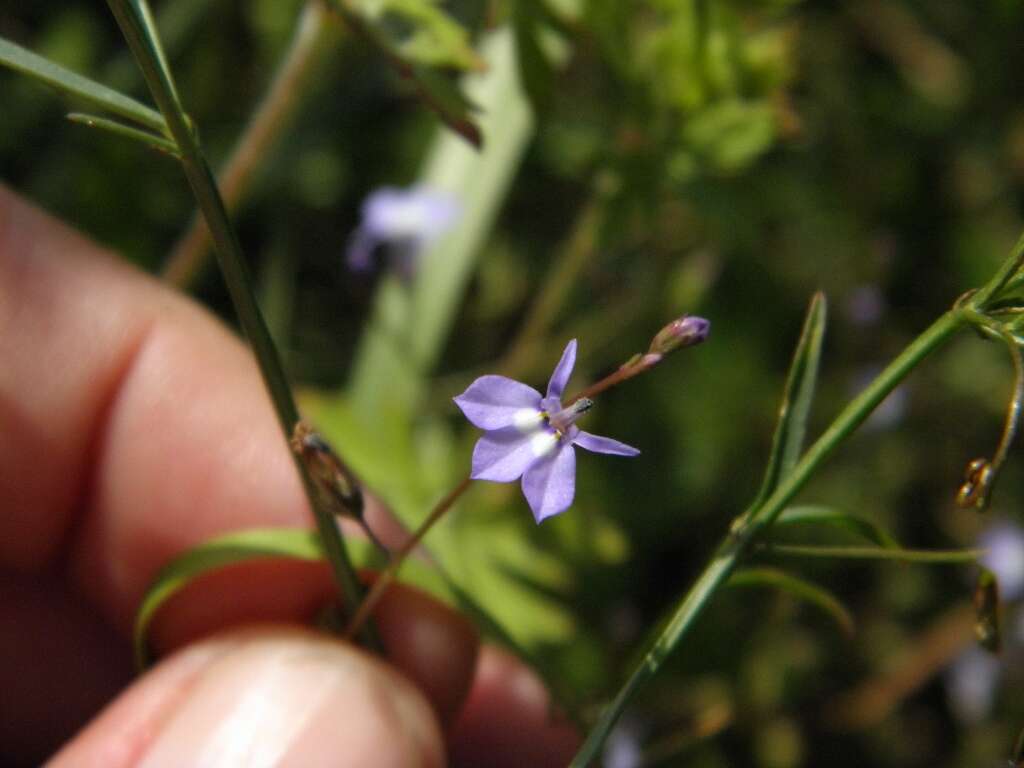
column 530, row 436
column 405, row 221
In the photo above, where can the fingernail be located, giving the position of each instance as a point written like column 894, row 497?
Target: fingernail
column 286, row 697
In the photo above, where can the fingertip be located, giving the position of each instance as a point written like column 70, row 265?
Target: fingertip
column 432, row 644
column 508, row 719
column 283, row 695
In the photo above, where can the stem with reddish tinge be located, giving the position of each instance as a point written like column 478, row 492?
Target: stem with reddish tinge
column 626, row 372
column 387, row 576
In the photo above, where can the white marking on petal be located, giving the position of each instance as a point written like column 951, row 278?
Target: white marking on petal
column 527, row 419
column 543, row 443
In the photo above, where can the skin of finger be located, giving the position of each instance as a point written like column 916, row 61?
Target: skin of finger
column 59, row 664
column 508, row 720
column 164, row 408
column 362, row 712
column 432, row 645
column 70, row 319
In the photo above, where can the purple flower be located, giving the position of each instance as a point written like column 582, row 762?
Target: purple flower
column 530, row 436
column 404, row 220
column 1003, row 543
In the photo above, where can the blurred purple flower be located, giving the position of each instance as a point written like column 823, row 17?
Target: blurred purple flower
column 530, row 436
column 971, row 684
column 974, row 677
column 405, row 221
column 1003, row 543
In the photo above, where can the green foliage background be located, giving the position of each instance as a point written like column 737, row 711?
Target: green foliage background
column 725, row 159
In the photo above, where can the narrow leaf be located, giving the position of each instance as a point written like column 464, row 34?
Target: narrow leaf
column 801, row 588
column 53, row 74
column 415, row 62
column 158, row 143
column 796, row 400
column 938, row 556
column 236, row 547
column 535, row 69
column 813, row 514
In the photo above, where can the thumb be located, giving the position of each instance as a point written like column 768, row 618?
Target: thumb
column 272, row 696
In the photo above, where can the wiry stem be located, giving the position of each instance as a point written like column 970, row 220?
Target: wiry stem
column 737, row 543
column 640, row 364
column 133, row 18
column 387, row 576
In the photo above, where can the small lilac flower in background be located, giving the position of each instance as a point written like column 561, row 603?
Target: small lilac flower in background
column 532, row 436
column 973, row 679
column 405, row 221
column 1003, row 543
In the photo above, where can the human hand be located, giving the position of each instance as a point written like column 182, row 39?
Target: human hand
column 133, row 427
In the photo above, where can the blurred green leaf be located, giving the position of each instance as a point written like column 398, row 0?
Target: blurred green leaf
column 529, row 22
column 236, row 547
column 813, row 514
column 798, row 587
column 420, row 31
column 151, row 140
column 729, row 135
column 53, row 74
column 256, row 544
column 417, row 37
column 797, row 397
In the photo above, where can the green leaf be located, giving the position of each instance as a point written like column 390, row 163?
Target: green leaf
column 236, row 547
column 53, row 74
column 796, row 400
column 813, row 514
column 257, row 544
column 435, row 40
column 731, row 134
column 151, row 140
column 801, row 588
column 938, row 556
column 535, row 69
column 442, row 95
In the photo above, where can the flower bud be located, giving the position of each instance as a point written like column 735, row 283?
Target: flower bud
column 685, row 331
column 978, row 477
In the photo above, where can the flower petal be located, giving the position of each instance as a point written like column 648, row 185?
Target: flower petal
column 599, row 444
column 494, row 402
column 504, row 454
column 560, row 376
column 550, row 484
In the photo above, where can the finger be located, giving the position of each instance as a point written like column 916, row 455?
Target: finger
column 134, row 426
column 508, row 719
column 271, row 696
column 59, row 663
column 435, row 647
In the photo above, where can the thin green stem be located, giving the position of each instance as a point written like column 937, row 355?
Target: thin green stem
column 756, row 520
column 133, row 18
